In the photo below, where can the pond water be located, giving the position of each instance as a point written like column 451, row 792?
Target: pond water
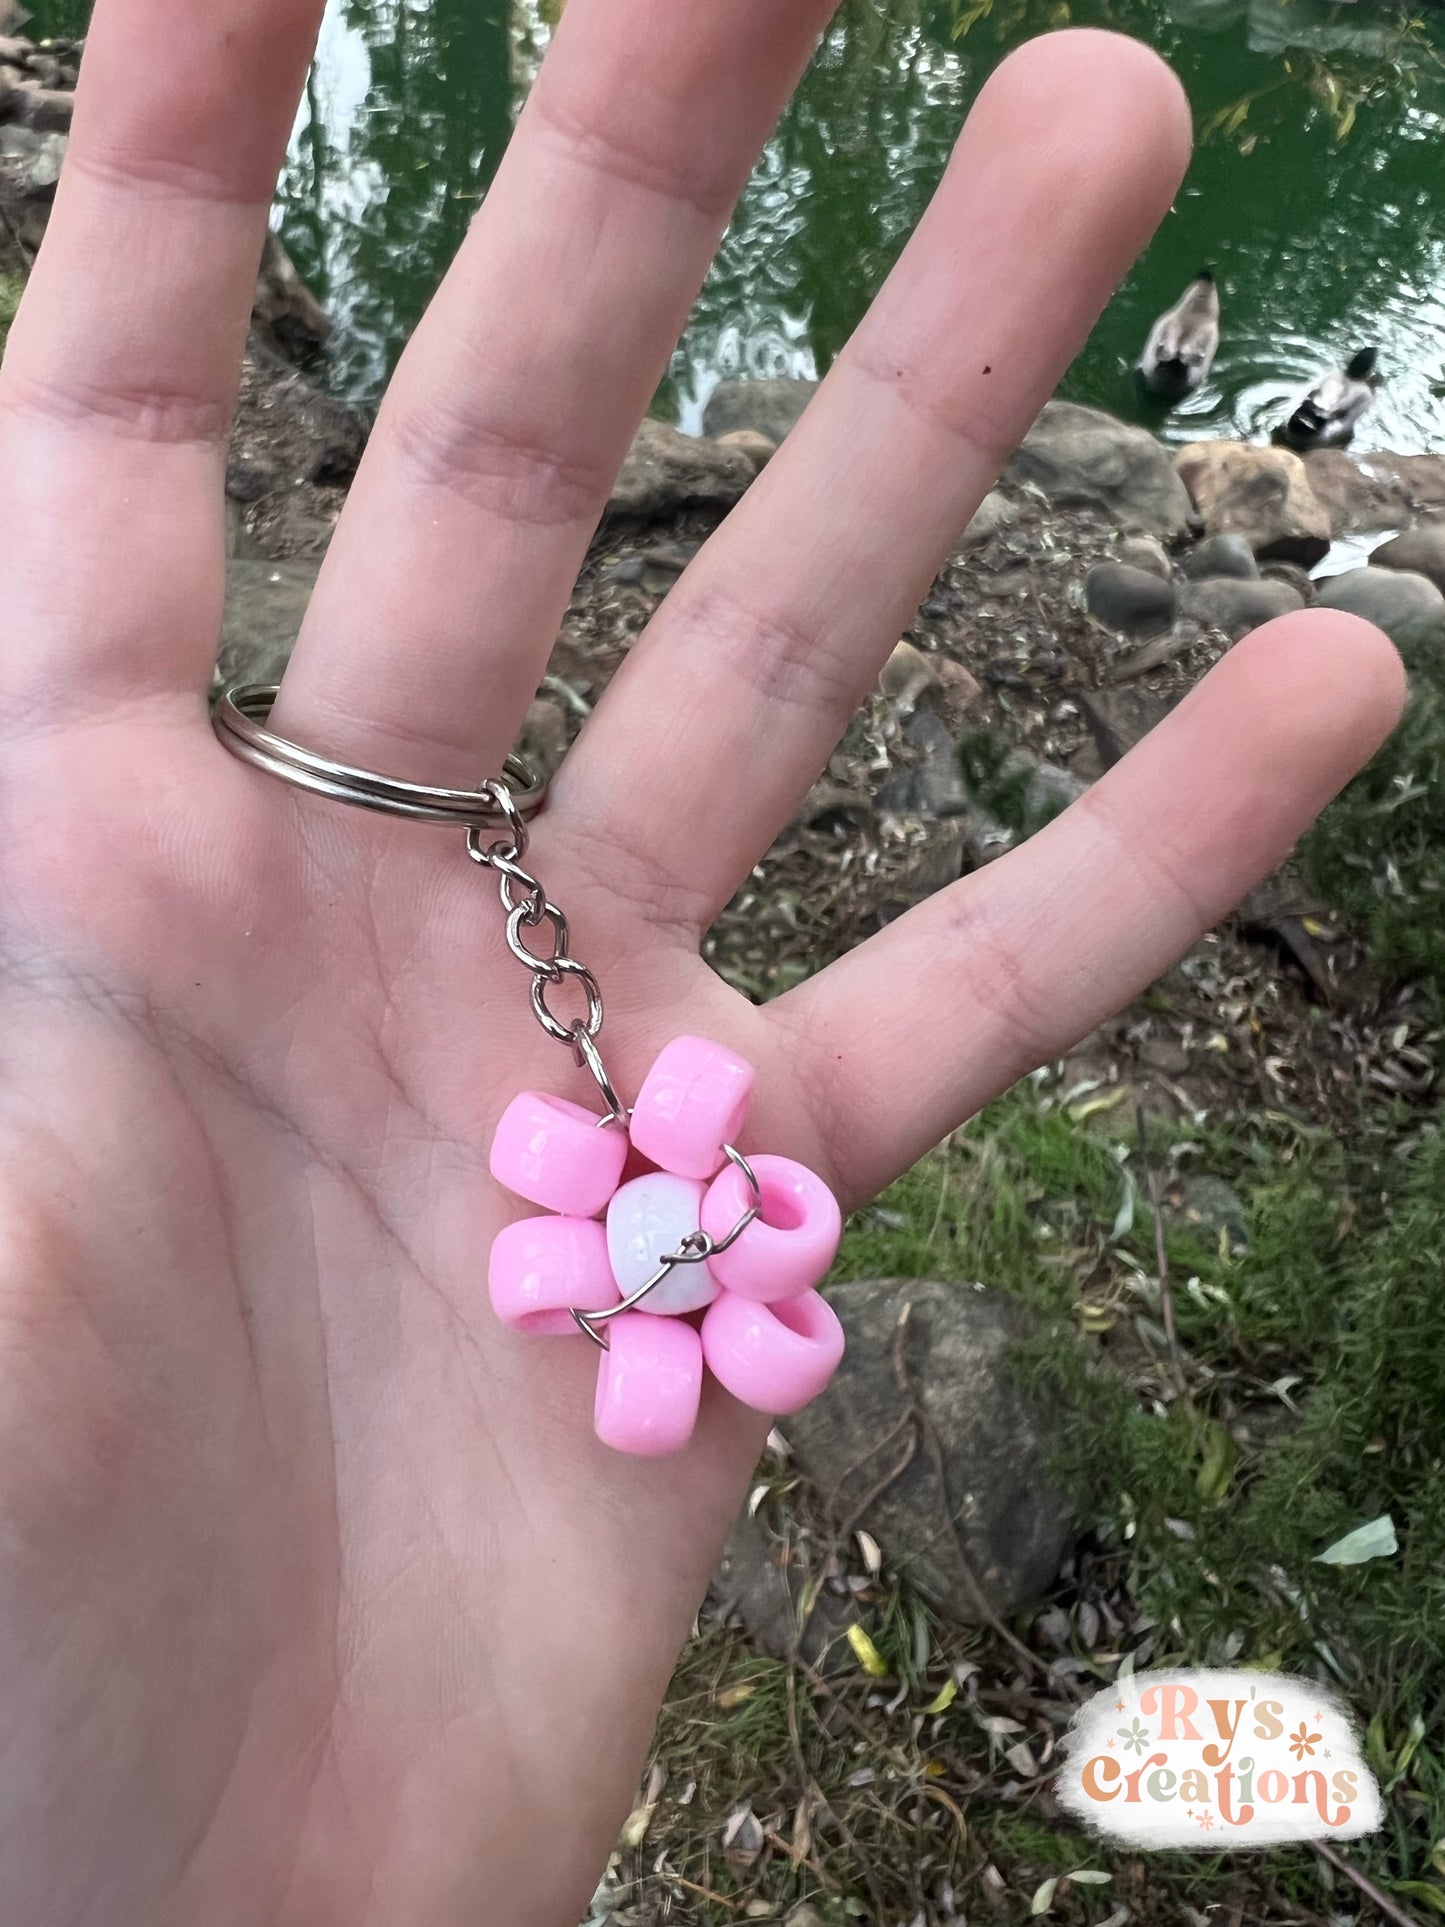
column 1317, row 192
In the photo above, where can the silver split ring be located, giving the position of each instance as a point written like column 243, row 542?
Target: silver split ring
column 240, row 717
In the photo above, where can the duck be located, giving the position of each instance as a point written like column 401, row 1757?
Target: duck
column 1183, row 342
column 1330, row 412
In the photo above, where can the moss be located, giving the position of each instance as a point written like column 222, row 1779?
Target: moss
column 11, row 287
column 1378, row 853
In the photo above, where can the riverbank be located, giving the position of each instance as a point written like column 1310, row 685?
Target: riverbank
column 1133, row 1350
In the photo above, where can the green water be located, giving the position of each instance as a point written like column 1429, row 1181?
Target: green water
column 1316, row 192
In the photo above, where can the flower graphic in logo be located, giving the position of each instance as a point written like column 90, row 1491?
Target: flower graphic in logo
column 1206, row 1820
column 1304, row 1741
column 1135, row 1737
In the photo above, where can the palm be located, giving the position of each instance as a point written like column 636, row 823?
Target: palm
column 321, row 1601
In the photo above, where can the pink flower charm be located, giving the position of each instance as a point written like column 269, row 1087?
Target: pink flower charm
column 766, row 1336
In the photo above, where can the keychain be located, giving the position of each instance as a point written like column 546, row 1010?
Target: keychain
column 709, row 1259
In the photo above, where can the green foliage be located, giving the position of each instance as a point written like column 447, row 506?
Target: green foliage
column 1305, row 1398
column 11, row 287
column 1379, row 852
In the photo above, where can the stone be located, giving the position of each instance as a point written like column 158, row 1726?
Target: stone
column 1145, row 552
column 1236, row 606
column 1293, row 576
column 989, row 1535
column 1262, row 494
column 769, row 405
column 935, row 787
column 544, row 733
column 265, row 604
column 1409, row 608
column 910, row 673
column 759, row 1586
column 1133, row 602
column 1419, row 551
column 1380, row 490
column 1352, row 499
column 666, row 472
column 1209, row 1207
column 993, row 514
column 47, row 110
column 284, row 312
column 1219, row 555
column 1082, row 458
column 1119, row 718
column 758, row 449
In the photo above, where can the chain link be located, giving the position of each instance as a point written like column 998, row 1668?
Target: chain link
column 528, row 907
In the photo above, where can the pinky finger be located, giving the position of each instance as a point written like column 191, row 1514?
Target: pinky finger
column 912, row 1033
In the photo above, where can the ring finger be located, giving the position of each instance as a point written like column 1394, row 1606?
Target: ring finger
column 513, row 407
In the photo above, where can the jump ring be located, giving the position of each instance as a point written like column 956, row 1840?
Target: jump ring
column 568, row 967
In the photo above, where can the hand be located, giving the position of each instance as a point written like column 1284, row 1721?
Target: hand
column 320, row 1602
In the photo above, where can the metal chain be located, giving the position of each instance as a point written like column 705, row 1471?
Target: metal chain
column 529, row 908
column 531, row 911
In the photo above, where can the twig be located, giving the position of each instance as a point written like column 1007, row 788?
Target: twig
column 1389, row 1908
column 1161, row 1260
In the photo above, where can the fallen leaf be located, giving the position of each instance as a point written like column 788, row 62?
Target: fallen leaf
column 1375, row 1540
column 867, row 1654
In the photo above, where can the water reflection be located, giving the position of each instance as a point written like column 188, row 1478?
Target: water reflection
column 1314, row 193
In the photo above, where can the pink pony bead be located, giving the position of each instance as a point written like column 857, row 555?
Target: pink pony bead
column 541, row 1267
column 649, row 1385
column 788, row 1248
column 692, row 1102
column 553, row 1153
column 776, row 1358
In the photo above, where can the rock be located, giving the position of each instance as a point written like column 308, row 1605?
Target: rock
column 994, row 513
column 1119, row 718
column 771, row 406
column 1380, row 490
column 758, row 449
column 909, row 673
column 654, row 570
column 935, row 788
column 1132, row 602
column 1291, row 574
column 265, row 604
column 1045, row 789
column 1236, row 606
column 285, row 313
column 997, row 1517
column 288, row 432
column 756, row 1585
column 1082, row 458
column 47, row 110
column 1262, row 494
column 544, row 733
column 1144, row 552
column 1209, row 1206
column 1419, row 551
column 1219, row 555
column 666, row 472
column 1409, row 608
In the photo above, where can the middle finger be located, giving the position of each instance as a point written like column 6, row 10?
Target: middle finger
column 513, row 407
column 777, row 631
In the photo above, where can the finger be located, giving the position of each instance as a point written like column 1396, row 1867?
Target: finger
column 911, row 1033
column 514, row 406
column 120, row 373
column 774, row 635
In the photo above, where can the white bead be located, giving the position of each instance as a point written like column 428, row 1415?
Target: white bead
column 647, row 1218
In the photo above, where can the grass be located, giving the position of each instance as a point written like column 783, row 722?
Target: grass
column 1303, row 1400
column 1379, row 852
